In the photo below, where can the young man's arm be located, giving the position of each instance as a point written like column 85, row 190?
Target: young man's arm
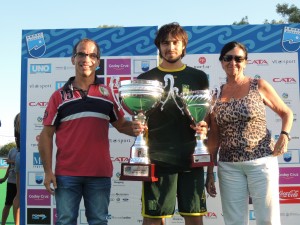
column 132, row 128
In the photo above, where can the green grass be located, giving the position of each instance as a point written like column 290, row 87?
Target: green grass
column 10, row 219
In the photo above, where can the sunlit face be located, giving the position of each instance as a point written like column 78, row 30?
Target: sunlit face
column 235, row 65
column 85, row 64
column 171, row 49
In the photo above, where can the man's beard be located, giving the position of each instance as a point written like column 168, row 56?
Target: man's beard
column 171, row 60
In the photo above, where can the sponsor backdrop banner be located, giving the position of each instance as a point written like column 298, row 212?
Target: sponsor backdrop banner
column 125, row 53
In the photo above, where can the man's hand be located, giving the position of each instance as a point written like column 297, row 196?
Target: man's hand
column 138, row 127
column 50, row 179
column 201, row 128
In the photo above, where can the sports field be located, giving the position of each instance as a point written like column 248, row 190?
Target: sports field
column 10, row 219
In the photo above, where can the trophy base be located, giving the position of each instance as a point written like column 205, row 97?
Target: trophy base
column 138, row 172
column 199, row 160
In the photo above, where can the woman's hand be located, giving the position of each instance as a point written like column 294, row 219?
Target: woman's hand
column 210, row 185
column 281, row 145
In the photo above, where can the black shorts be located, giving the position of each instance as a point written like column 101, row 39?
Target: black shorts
column 11, row 191
column 159, row 198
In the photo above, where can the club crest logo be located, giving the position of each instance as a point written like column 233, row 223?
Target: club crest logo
column 145, row 65
column 36, row 45
column 104, row 91
column 291, row 39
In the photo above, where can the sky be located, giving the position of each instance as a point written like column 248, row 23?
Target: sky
column 59, row 14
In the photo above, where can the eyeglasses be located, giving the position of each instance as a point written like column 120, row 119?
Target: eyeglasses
column 82, row 55
column 237, row 58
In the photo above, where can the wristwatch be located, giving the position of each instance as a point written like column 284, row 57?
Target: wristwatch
column 286, row 133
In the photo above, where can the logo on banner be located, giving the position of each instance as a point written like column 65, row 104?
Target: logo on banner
column 37, row 162
column 291, row 39
column 35, row 178
column 286, row 80
column 211, row 215
column 39, row 216
column 289, row 175
column 59, row 84
column 39, row 178
column 258, row 62
column 289, row 195
column 145, row 65
column 118, row 66
column 38, row 197
column 40, row 68
column 36, row 45
column 287, row 156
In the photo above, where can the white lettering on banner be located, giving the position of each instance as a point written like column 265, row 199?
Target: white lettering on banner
column 34, row 37
column 292, row 30
column 38, row 196
column 118, row 66
column 41, row 104
column 289, row 194
column 289, row 175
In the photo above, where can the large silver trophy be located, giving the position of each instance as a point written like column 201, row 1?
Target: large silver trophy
column 138, row 97
column 196, row 105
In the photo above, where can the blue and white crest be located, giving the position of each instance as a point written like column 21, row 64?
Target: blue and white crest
column 36, row 45
column 291, row 39
column 145, row 65
column 39, row 178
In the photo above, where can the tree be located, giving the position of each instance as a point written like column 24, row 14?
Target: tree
column 5, row 149
column 243, row 21
column 290, row 15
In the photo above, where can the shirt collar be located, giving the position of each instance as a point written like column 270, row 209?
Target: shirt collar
column 68, row 85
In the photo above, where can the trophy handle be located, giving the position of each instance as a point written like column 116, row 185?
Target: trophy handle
column 173, row 92
column 115, row 81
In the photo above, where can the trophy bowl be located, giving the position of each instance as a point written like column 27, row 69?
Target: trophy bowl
column 196, row 106
column 138, row 97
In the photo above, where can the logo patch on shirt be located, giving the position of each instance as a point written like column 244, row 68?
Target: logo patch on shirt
column 185, row 88
column 104, row 91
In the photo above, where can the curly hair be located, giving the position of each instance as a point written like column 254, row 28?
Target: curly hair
column 176, row 31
